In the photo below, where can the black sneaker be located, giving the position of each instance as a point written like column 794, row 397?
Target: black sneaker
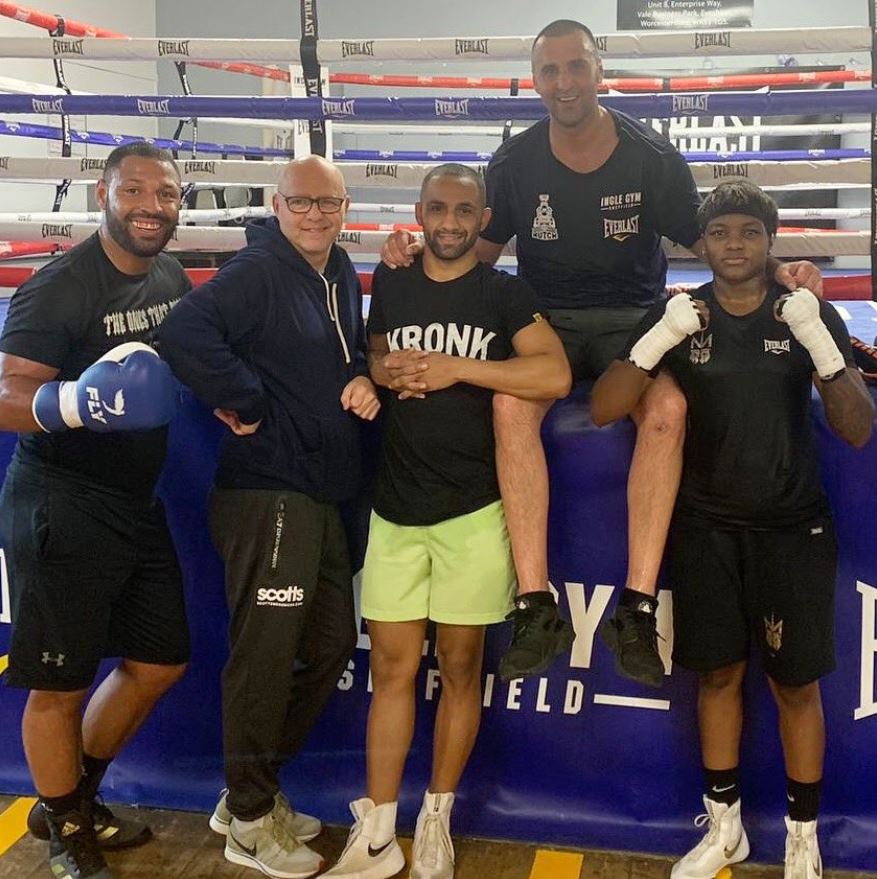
column 631, row 634
column 74, row 852
column 112, row 831
column 539, row 636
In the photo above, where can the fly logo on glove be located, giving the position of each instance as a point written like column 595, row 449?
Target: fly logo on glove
column 142, row 389
column 96, row 406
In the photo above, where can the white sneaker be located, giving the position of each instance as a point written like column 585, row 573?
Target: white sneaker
column 725, row 843
column 371, row 851
column 303, row 827
column 803, row 860
column 433, row 851
column 266, row 845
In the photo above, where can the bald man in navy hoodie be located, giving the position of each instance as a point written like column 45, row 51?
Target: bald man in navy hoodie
column 275, row 344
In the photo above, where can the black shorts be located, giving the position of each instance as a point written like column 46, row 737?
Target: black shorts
column 594, row 337
column 774, row 589
column 92, row 574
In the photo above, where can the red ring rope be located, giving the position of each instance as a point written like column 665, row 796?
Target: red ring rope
column 835, row 288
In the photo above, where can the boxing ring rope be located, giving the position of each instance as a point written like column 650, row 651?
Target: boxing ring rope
column 224, row 172
column 660, row 106
column 656, row 44
column 214, row 215
column 838, row 287
column 610, row 83
column 812, row 243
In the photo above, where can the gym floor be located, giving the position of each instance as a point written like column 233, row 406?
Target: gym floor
column 185, row 848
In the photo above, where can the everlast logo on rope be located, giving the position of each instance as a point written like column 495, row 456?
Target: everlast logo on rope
column 199, row 168
column 706, row 40
column 350, row 237
column 730, row 169
column 92, row 164
column 373, row 170
column 4, row 163
column 686, row 104
column 452, row 109
column 67, row 47
column 173, row 47
column 54, row 106
column 309, row 29
column 336, row 107
column 53, row 230
column 471, row 47
column 364, row 47
column 153, row 108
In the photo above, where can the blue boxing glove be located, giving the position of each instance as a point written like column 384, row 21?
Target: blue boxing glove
column 129, row 388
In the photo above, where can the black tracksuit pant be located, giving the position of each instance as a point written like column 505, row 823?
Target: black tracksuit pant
column 292, row 631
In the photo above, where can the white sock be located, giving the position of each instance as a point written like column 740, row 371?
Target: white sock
column 248, row 825
column 383, row 820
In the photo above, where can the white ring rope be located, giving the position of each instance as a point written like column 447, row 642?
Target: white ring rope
column 215, row 215
column 810, row 243
column 229, row 172
column 653, row 44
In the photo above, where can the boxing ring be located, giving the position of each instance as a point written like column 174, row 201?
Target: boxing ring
column 579, row 756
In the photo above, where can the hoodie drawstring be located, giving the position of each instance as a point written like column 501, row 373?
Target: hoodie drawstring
column 332, row 308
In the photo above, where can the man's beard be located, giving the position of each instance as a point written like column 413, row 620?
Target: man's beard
column 119, row 232
column 451, row 252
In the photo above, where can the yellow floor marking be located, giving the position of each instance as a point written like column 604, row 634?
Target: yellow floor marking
column 556, row 865
column 13, row 822
column 4, row 661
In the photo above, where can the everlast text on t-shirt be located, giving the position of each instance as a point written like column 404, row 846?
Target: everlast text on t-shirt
column 69, row 315
column 592, row 239
column 438, row 452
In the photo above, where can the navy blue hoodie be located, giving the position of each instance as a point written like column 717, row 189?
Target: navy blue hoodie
column 271, row 338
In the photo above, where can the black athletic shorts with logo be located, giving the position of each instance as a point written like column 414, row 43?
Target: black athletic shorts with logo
column 92, row 574
column 773, row 589
column 593, row 337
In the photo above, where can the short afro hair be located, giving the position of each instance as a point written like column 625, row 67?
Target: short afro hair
column 739, row 197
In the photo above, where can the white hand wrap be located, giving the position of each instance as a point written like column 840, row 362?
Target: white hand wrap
column 800, row 310
column 681, row 318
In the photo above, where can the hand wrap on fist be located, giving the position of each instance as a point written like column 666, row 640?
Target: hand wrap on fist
column 681, row 318
column 129, row 388
column 800, row 310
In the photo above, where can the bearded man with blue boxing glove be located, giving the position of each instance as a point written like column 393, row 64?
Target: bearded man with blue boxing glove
column 90, row 399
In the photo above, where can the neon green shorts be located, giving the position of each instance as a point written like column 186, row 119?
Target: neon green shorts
column 459, row 571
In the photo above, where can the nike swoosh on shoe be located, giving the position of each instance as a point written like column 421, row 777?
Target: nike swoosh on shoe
column 251, row 851
column 731, row 850
column 374, row 852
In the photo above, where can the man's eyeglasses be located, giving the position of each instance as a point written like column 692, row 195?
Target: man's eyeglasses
column 301, row 204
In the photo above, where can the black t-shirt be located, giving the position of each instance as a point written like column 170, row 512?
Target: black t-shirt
column 592, row 239
column 750, row 458
column 70, row 314
column 438, row 452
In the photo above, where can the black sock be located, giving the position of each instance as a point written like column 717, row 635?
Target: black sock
column 61, row 805
column 803, row 799
column 722, row 785
column 633, row 598
column 93, row 771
